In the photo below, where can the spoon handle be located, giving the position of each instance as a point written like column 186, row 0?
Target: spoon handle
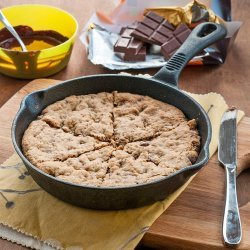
column 4, row 20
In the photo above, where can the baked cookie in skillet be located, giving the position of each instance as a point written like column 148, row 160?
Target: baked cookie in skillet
column 111, row 140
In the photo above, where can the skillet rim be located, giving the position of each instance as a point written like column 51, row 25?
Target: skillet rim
column 196, row 166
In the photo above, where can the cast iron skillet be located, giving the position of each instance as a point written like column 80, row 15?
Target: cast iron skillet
column 162, row 86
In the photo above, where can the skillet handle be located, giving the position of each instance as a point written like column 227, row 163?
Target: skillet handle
column 201, row 37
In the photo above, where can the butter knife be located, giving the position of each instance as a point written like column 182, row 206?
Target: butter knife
column 227, row 155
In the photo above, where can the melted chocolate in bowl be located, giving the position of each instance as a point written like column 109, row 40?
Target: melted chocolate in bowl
column 34, row 40
column 37, row 62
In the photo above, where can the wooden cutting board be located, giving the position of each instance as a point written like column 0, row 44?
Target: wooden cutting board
column 194, row 220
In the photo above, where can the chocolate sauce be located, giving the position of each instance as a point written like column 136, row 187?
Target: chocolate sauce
column 34, row 40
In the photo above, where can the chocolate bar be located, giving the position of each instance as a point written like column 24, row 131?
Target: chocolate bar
column 153, row 29
column 127, row 43
column 179, row 36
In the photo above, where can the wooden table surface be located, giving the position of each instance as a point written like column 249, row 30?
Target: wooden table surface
column 232, row 79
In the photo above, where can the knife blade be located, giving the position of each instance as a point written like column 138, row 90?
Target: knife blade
column 227, row 155
column 227, row 148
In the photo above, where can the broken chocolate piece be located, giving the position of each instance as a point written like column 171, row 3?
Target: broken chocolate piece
column 128, row 47
column 179, row 36
column 127, row 43
column 153, row 29
column 168, row 48
column 140, row 56
column 199, row 14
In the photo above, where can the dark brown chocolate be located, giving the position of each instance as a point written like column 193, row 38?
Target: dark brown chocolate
column 28, row 35
column 153, row 29
column 140, row 56
column 182, row 32
column 199, row 14
column 178, row 37
column 126, row 43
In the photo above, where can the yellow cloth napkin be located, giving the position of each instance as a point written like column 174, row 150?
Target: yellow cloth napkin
column 25, row 207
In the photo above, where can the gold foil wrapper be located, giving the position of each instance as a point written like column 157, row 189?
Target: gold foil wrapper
column 177, row 15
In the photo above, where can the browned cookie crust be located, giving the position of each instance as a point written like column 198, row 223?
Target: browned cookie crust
column 111, row 139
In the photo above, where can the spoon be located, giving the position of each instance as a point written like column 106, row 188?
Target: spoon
column 9, row 27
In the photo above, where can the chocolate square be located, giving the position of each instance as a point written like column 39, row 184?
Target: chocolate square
column 179, row 36
column 140, row 56
column 168, row 48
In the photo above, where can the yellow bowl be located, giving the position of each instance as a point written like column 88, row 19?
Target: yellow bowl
column 42, row 63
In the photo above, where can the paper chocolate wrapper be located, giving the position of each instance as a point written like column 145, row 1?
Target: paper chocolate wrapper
column 101, row 31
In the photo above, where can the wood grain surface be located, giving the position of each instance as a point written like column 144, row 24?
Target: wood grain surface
column 195, row 218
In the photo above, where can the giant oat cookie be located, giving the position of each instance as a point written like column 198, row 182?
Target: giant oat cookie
column 111, row 139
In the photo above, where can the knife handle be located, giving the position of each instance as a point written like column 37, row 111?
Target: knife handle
column 232, row 232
